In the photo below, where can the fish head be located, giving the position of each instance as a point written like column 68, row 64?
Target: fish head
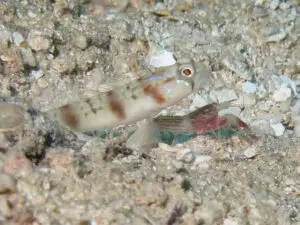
column 193, row 73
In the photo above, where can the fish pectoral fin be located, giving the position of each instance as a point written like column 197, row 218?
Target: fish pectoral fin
column 144, row 137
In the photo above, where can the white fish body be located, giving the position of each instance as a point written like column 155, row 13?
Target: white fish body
column 134, row 101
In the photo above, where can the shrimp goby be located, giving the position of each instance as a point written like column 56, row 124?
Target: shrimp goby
column 134, row 101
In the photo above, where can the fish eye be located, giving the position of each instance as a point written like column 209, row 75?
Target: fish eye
column 187, row 70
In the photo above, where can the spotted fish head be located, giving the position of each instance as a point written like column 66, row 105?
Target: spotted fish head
column 194, row 74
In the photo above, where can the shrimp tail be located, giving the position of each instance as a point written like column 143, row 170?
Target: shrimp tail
column 202, row 120
column 207, row 119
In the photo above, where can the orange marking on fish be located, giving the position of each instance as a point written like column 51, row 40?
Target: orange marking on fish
column 118, row 109
column 154, row 92
column 116, row 105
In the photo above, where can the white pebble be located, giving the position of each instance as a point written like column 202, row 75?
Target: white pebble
column 202, row 161
column 250, row 152
column 28, row 57
column 18, row 38
column 199, row 101
column 185, row 155
column 5, row 36
column 93, row 222
column 36, row 74
column 259, row 2
column 282, row 94
column 290, row 182
column 249, row 87
column 289, row 82
column 284, row 5
column 161, row 59
column 177, row 164
column 261, row 126
column 278, row 129
column 274, row 4
column 38, row 41
column 42, row 83
column 215, row 31
column 293, row 15
column 167, row 148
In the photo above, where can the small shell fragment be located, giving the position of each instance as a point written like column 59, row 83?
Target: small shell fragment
column 164, row 13
column 11, row 116
column 161, row 59
column 161, row 13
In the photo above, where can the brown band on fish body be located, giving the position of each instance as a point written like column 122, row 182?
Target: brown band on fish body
column 69, row 117
column 116, row 105
column 154, row 93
